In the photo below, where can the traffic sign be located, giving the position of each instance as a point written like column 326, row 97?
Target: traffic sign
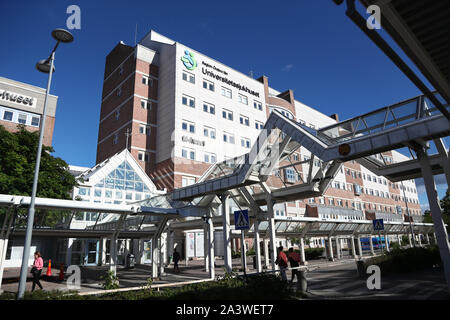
column 378, row 225
column 241, row 221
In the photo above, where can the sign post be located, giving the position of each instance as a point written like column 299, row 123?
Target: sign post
column 242, row 222
column 378, row 225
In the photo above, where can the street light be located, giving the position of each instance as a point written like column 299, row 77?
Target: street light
column 45, row 66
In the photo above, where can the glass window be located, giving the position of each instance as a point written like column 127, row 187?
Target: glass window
column 8, row 115
column 226, row 92
column 189, row 77
column 242, row 99
column 22, row 118
column 188, row 101
column 208, row 85
column 244, row 120
column 97, row 192
column 257, row 105
column 35, row 121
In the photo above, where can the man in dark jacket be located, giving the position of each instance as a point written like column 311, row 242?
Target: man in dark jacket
column 282, row 263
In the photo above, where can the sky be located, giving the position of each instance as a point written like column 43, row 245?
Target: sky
column 308, row 46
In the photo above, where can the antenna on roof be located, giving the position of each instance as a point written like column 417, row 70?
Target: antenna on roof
column 135, row 35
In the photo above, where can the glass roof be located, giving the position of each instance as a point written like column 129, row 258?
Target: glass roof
column 123, row 178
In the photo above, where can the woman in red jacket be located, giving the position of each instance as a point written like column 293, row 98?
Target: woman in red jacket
column 37, row 269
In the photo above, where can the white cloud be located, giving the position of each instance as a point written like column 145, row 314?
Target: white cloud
column 288, row 67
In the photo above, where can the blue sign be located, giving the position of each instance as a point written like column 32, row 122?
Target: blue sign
column 378, row 225
column 241, row 221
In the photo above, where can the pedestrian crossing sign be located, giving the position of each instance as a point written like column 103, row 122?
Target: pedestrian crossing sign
column 378, row 225
column 241, row 221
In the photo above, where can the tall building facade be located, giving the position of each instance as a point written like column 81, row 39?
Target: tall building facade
column 178, row 111
column 23, row 104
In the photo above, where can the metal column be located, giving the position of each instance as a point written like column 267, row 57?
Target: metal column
column 302, row 251
column 352, row 239
column 113, row 255
column 372, row 251
column 273, row 245
column 211, row 247
column 257, row 247
column 436, row 213
column 226, row 233
column 154, row 257
column 359, row 247
column 330, row 249
column 266, row 253
column 206, row 246
column 338, row 248
column 243, row 252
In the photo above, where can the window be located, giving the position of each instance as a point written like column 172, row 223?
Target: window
column 290, row 175
column 259, row 125
column 117, row 114
column 188, row 101
column 35, row 121
column 209, row 132
column 188, row 153
column 227, row 114
column 146, row 80
column 353, row 174
column 8, row 115
column 208, row 85
column 97, row 193
column 244, row 120
column 22, row 118
column 145, row 104
column 226, row 92
column 143, row 156
column 189, row 77
column 84, row 191
column 242, row 99
column 210, row 157
column 121, row 70
column 331, row 201
column 228, row 137
column 143, row 129
column 188, row 126
column 257, row 105
column 119, row 91
column 187, row 181
column 207, row 107
column 245, row 143
column 116, row 138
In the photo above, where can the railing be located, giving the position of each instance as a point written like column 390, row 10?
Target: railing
column 385, row 118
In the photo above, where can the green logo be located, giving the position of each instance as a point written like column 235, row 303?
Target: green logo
column 188, row 60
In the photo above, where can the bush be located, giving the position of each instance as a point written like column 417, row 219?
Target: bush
column 407, row 260
column 313, row 253
column 111, row 281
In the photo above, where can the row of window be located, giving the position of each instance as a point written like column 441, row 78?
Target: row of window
column 335, row 202
column 210, row 132
column 226, row 114
column 111, row 193
column 20, row 117
column 226, row 92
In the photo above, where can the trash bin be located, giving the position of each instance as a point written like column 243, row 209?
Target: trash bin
column 254, row 262
column 130, row 261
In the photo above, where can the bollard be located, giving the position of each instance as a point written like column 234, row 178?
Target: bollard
column 61, row 272
column 302, row 283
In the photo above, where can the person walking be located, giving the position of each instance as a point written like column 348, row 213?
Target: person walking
column 294, row 260
column 282, row 263
column 36, row 270
column 176, row 259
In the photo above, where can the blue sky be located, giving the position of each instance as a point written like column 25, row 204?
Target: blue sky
column 308, row 46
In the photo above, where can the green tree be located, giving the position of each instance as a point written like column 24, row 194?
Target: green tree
column 445, row 205
column 17, row 161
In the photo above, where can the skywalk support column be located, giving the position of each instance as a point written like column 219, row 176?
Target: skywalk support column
column 419, row 239
column 211, row 247
column 409, row 239
column 428, row 238
column 243, row 252
column 436, row 213
column 386, row 242
column 226, row 232
column 257, row 247
column 338, row 248
column 273, row 245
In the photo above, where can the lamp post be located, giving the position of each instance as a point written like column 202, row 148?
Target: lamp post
column 45, row 66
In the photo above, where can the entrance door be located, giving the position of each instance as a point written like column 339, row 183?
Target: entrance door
column 91, row 252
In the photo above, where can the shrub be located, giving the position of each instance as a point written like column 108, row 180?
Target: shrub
column 111, row 281
column 313, row 253
column 407, row 260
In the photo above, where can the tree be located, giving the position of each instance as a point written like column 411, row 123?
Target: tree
column 17, row 162
column 445, row 205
